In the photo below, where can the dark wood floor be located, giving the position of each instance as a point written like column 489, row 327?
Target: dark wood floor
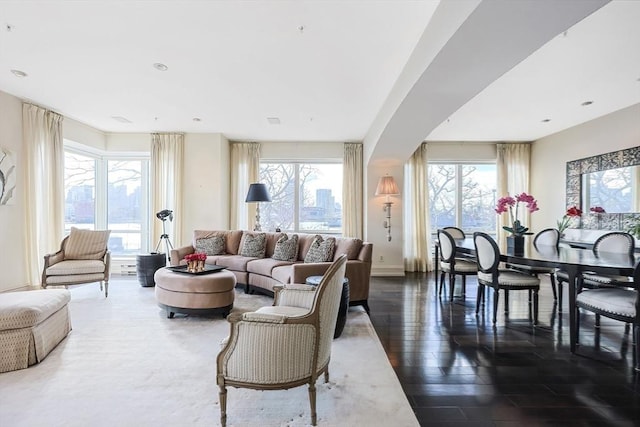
column 458, row 370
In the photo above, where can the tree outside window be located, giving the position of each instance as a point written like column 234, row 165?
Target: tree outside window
column 304, row 197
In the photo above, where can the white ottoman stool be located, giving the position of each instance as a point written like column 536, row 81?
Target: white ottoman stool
column 32, row 323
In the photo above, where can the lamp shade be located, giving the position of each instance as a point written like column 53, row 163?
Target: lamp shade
column 258, row 193
column 387, row 186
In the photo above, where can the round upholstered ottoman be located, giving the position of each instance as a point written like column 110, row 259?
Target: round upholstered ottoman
column 201, row 294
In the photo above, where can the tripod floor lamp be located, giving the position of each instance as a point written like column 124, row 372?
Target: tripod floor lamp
column 258, row 193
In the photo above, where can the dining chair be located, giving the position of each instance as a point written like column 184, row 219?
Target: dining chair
column 617, row 303
column 615, row 242
column 452, row 265
column 549, row 237
column 456, row 233
column 490, row 274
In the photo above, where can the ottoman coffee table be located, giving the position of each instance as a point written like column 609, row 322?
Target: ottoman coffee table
column 203, row 293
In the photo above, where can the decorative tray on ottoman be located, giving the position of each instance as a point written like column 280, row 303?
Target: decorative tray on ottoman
column 208, row 269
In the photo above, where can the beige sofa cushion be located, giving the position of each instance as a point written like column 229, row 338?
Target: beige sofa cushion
column 264, row 266
column 349, row 246
column 232, row 238
column 86, row 244
column 234, row 262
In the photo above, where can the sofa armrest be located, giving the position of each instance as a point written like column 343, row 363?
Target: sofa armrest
column 300, row 271
column 178, row 254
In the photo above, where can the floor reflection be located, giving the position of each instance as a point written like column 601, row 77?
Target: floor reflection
column 459, row 369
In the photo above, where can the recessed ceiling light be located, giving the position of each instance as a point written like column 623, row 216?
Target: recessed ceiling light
column 160, row 66
column 585, row 103
column 19, row 73
column 273, row 120
column 546, row 120
column 197, row 119
column 121, row 119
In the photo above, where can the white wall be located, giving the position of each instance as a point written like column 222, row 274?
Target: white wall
column 12, row 230
column 550, row 155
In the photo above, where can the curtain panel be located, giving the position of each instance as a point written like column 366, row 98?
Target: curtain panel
column 513, row 168
column 417, row 238
column 43, row 186
column 352, row 191
column 245, row 170
column 167, row 160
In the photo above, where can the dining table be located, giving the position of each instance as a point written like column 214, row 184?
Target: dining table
column 573, row 260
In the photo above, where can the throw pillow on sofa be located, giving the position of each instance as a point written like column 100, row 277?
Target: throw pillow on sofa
column 253, row 245
column 321, row 249
column 286, row 248
column 211, row 245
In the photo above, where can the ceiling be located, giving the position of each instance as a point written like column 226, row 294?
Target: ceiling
column 324, row 69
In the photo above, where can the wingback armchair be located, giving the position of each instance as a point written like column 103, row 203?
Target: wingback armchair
column 285, row 345
column 83, row 258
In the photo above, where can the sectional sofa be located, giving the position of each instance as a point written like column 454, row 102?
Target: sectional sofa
column 262, row 260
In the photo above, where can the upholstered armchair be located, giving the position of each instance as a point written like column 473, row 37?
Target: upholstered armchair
column 83, row 258
column 285, row 345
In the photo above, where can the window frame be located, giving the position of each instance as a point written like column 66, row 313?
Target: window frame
column 296, row 197
column 101, row 178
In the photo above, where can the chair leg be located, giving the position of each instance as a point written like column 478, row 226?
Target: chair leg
column 223, row 405
column 106, row 288
column 553, row 286
column 479, row 297
column 597, row 320
column 559, row 286
column 577, row 336
column 636, row 343
column 442, row 273
column 452, row 284
column 326, row 375
column 506, row 301
column 496, row 297
column 535, row 307
column 464, row 286
column 312, row 403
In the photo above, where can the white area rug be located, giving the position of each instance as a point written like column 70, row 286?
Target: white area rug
column 125, row 364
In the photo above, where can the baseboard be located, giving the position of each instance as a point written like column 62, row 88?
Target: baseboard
column 395, row 271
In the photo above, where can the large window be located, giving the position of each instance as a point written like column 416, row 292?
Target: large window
column 304, row 197
column 103, row 192
column 462, row 195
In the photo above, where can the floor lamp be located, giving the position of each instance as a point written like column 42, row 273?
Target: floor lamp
column 258, row 193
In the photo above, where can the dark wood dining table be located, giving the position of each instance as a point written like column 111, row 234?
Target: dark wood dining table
column 572, row 260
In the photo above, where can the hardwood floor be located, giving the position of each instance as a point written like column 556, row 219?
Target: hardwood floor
column 458, row 370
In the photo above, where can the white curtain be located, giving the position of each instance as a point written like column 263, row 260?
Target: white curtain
column 245, row 170
column 43, row 186
column 417, row 239
column 352, row 192
column 167, row 154
column 513, row 164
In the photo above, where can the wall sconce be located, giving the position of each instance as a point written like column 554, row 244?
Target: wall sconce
column 258, row 193
column 387, row 187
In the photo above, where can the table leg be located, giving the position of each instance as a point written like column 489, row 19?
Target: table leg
column 572, row 272
column 435, row 264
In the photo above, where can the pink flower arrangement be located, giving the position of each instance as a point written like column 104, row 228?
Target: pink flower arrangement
column 508, row 203
column 198, row 256
column 564, row 223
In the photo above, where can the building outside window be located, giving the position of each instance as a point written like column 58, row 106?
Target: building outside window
column 306, row 197
column 463, row 196
column 109, row 192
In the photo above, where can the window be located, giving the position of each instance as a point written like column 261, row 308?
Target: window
column 109, row 192
column 305, row 197
column 462, row 195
